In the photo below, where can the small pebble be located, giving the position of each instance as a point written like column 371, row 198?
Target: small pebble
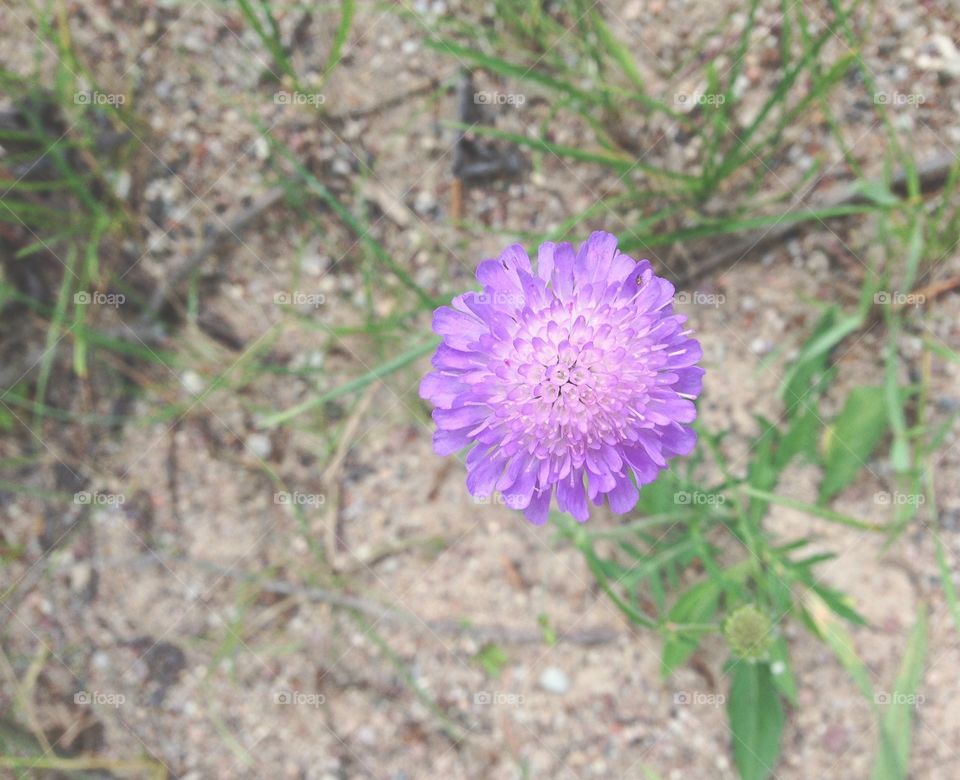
column 80, row 576
column 259, row 445
column 121, row 185
column 425, row 202
column 554, row 680
column 192, row 382
column 261, row 148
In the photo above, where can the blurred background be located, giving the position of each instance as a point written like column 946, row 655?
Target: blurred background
column 227, row 549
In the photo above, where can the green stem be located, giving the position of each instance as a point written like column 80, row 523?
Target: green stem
column 813, row 509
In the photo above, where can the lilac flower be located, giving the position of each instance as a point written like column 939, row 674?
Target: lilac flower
column 577, row 378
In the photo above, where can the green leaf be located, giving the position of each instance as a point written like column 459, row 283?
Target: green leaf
column 533, row 73
column 840, row 604
column 617, row 50
column 621, row 164
column 876, row 192
column 658, row 498
column 800, row 388
column 852, row 437
column 549, row 634
column 946, row 579
column 492, row 658
column 914, row 251
column 508, row 69
column 718, row 227
column 781, row 670
column 6, row 419
column 353, row 385
column 816, row 511
column 756, row 720
column 800, row 439
column 764, row 471
column 896, row 399
column 896, row 723
column 347, row 11
column 697, row 605
column 603, row 570
column 802, row 377
column 822, row 621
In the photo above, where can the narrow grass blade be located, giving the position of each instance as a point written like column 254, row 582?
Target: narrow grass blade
column 352, row 386
column 317, row 188
column 813, row 509
column 893, row 759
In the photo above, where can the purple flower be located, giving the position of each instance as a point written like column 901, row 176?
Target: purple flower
column 578, row 378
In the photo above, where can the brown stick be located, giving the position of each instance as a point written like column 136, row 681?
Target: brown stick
column 935, row 289
column 386, row 105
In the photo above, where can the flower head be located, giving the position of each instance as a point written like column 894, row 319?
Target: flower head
column 576, row 378
column 749, row 632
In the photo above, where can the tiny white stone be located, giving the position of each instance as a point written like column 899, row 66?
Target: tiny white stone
column 260, row 445
column 261, row 148
column 121, row 185
column 192, row 382
column 554, row 680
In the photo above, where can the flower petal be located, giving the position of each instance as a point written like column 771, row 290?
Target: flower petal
column 538, row 509
column 572, row 498
column 624, row 495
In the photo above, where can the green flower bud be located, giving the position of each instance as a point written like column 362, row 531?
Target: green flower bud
column 748, row 632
